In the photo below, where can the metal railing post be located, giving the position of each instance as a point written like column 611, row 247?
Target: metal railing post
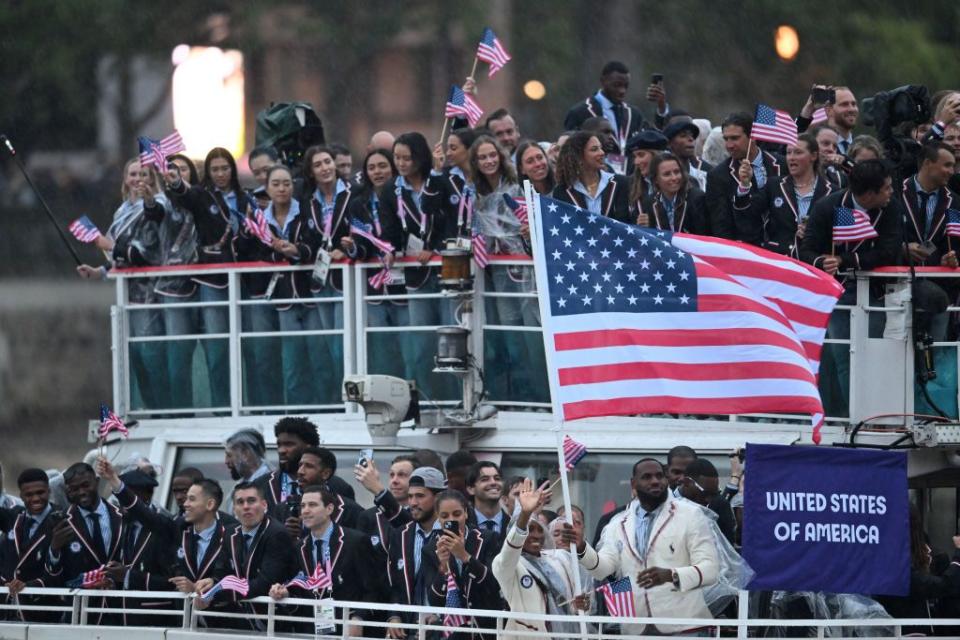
column 349, row 325
column 234, row 348
column 123, row 333
column 187, row 613
column 743, row 613
column 271, row 612
column 344, row 620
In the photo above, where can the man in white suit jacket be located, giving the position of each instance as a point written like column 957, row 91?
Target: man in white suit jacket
column 664, row 545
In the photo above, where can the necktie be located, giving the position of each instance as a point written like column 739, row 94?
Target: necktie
column 97, row 535
column 247, row 541
column 318, row 553
column 195, row 549
column 619, row 114
column 32, row 527
column 924, row 199
column 646, row 532
column 843, row 146
column 490, row 526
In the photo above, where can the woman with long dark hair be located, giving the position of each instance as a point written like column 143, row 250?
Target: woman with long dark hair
column 676, row 203
column 385, row 354
column 582, row 178
column 218, row 206
column 327, row 200
column 533, row 165
column 449, row 193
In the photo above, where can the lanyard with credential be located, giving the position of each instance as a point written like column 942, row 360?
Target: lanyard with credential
column 465, row 210
column 375, row 214
column 403, row 211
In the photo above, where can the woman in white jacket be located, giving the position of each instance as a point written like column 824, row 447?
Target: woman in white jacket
column 529, row 582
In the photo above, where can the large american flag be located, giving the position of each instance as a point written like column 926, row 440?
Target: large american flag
column 84, row 230
column 851, row 225
column 461, row 104
column 230, row 583
column 156, row 152
column 492, row 52
column 773, row 125
column 953, row 223
column 636, row 324
column 452, row 602
column 110, row 422
column 619, row 598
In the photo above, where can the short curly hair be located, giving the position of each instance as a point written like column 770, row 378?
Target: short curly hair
column 299, row 427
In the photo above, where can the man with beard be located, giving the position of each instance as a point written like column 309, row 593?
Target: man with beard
column 243, row 454
column 663, row 544
column 842, row 115
column 91, row 536
column 294, row 435
column 413, row 562
column 485, row 486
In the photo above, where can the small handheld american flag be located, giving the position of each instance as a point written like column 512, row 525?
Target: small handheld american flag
column 461, row 104
column 259, row 228
column 953, row 223
column 491, row 51
column 519, row 208
column 380, row 278
column 110, row 422
column 819, row 116
column 364, row 230
column 320, row 579
column 480, row 256
column 851, row 225
column 619, row 598
column 230, row 583
column 773, row 125
column 573, row 452
column 452, row 602
column 88, row 579
column 156, row 152
column 84, row 230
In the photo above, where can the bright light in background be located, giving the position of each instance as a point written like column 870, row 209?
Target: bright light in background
column 534, row 89
column 787, row 42
column 208, row 100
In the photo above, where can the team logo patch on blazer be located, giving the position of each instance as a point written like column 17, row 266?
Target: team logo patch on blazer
column 214, row 210
column 454, row 199
column 75, row 547
column 400, row 564
column 374, row 540
column 180, row 553
column 778, row 202
column 526, row 582
column 11, row 534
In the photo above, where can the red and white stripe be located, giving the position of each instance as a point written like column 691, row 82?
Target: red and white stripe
column 480, row 255
column 819, row 116
column 259, row 228
column 737, row 353
column 805, row 295
column 169, row 145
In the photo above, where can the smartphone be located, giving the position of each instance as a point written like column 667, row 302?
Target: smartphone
column 452, row 526
column 365, row 454
column 846, row 165
column 823, row 95
column 656, row 78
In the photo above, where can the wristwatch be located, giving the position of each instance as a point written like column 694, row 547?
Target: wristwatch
column 675, row 577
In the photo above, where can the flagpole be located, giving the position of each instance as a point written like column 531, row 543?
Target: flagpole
column 46, row 207
column 443, row 132
column 476, row 61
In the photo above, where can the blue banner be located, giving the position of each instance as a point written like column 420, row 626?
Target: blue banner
column 827, row 519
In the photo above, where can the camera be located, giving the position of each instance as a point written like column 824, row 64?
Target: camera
column 452, row 526
column 823, row 95
column 887, row 110
column 387, row 401
column 656, row 78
